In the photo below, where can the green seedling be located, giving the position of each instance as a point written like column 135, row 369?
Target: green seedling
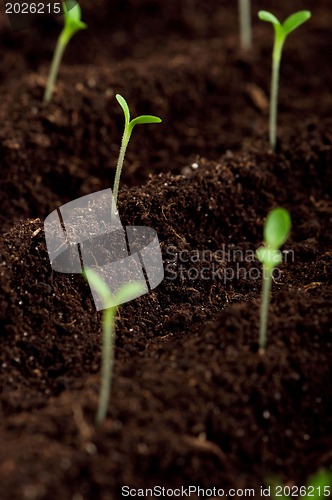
column 281, row 31
column 73, row 24
column 129, row 125
column 276, row 231
column 124, row 294
column 318, row 487
column 245, row 24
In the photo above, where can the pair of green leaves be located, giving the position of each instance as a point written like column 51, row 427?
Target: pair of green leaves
column 282, row 30
column 124, row 294
column 130, row 124
column 276, row 232
column 290, row 24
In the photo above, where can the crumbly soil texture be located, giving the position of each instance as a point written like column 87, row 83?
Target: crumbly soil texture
column 193, row 402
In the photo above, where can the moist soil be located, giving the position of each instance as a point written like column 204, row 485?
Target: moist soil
column 193, row 402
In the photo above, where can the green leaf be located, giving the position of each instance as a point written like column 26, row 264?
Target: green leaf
column 269, row 256
column 136, row 121
column 144, row 119
column 99, row 285
column 295, row 20
column 123, row 103
column 264, row 15
column 125, row 293
column 129, row 291
column 72, row 15
column 277, row 227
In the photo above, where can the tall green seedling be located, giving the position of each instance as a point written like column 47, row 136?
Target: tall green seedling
column 73, row 24
column 276, row 231
column 281, row 31
column 124, row 294
column 129, row 125
column 245, row 23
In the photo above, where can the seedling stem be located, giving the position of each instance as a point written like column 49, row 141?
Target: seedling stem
column 107, row 362
column 119, row 166
column 245, row 24
column 267, row 282
column 276, row 58
column 276, row 231
column 73, row 24
column 111, row 304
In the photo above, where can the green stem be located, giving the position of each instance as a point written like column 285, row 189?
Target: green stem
column 57, row 57
column 274, row 104
column 245, row 24
column 106, row 363
column 124, row 144
column 267, row 282
column 278, row 44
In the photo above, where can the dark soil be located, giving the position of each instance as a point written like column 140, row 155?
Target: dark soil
column 193, row 403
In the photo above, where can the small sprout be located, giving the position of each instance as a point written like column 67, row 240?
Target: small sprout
column 129, row 125
column 276, row 232
column 281, row 32
column 73, row 24
column 124, row 294
column 245, row 24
